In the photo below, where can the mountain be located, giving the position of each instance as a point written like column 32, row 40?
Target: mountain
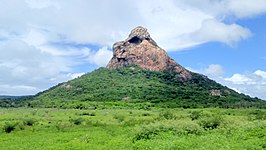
column 13, row 101
column 142, row 72
column 10, row 97
column 140, row 49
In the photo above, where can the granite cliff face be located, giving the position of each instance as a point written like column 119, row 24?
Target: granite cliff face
column 140, row 49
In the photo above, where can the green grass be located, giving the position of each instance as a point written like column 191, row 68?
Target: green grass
column 156, row 128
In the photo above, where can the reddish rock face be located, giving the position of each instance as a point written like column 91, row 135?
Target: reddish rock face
column 140, row 49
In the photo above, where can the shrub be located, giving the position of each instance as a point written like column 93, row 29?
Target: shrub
column 195, row 115
column 119, row 117
column 146, row 114
column 88, row 114
column 29, row 121
column 95, row 123
column 147, row 132
column 211, row 122
column 175, row 127
column 76, row 121
column 136, row 121
column 21, row 126
column 60, row 126
column 167, row 115
column 34, row 112
column 9, row 127
column 187, row 127
column 257, row 115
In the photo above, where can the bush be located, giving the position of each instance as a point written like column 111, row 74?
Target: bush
column 195, row 115
column 147, row 132
column 257, row 115
column 76, row 121
column 9, row 127
column 119, row 117
column 60, row 126
column 211, row 122
column 167, row 115
column 88, row 114
column 29, row 121
column 136, row 121
column 95, row 123
column 175, row 127
column 186, row 128
column 146, row 114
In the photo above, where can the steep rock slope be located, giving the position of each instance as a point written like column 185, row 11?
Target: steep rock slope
column 140, row 49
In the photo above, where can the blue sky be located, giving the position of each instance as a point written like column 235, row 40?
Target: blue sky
column 248, row 55
column 45, row 42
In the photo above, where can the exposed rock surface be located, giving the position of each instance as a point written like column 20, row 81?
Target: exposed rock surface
column 140, row 49
column 216, row 93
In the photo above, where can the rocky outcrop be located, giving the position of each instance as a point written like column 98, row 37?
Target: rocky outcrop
column 216, row 93
column 140, row 49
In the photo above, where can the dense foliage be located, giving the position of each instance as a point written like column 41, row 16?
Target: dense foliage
column 155, row 129
column 135, row 85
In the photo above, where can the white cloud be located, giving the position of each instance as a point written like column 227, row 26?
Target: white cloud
column 260, row 73
column 12, row 90
column 42, row 41
column 22, row 65
column 214, row 70
column 253, row 84
column 35, row 38
column 240, row 79
column 228, row 8
column 41, row 3
column 101, row 57
column 213, row 30
column 246, row 8
column 75, row 75
column 171, row 23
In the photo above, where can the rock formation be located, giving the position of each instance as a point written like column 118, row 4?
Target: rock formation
column 140, row 49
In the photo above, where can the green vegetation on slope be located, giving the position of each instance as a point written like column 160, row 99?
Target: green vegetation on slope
column 203, row 129
column 134, row 85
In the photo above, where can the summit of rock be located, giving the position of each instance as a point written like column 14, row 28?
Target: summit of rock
column 141, row 50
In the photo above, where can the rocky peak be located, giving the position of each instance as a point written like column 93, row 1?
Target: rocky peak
column 139, row 34
column 140, row 49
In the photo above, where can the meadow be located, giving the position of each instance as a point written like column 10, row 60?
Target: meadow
column 129, row 128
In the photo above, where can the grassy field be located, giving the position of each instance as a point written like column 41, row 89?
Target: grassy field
column 157, row 128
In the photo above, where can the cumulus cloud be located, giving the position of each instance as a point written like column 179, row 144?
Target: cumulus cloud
column 213, row 30
column 24, row 66
column 253, row 84
column 214, row 70
column 260, row 73
column 229, row 8
column 246, row 8
column 75, row 75
column 240, row 79
column 101, row 57
column 42, row 41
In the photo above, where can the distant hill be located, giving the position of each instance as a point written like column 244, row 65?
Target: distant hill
column 11, row 97
column 135, row 85
column 13, row 101
column 140, row 72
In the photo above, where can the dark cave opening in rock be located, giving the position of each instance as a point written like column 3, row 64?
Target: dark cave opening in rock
column 135, row 40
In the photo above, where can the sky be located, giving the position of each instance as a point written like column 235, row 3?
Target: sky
column 45, row 42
